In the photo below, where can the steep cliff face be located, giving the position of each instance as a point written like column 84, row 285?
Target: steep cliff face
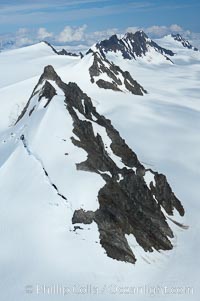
column 134, row 200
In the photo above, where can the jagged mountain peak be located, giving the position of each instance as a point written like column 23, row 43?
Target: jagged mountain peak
column 132, row 35
column 139, row 37
column 49, row 74
column 43, row 89
column 114, row 38
column 133, row 199
column 179, row 38
column 133, row 46
column 177, row 35
column 110, row 44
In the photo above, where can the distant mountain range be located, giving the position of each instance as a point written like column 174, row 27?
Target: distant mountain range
column 131, row 45
column 184, row 42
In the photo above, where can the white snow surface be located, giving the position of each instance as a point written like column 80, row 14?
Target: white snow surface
column 38, row 245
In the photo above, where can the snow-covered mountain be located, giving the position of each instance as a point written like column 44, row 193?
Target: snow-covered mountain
column 184, row 42
column 85, row 199
column 106, row 74
column 133, row 46
column 135, row 195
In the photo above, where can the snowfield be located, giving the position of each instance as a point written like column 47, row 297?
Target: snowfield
column 39, row 247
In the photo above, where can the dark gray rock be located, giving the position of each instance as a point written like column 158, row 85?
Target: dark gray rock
column 62, row 52
column 103, row 66
column 165, row 196
column 107, row 85
column 47, row 92
column 184, row 42
column 65, row 52
column 83, row 217
column 127, row 206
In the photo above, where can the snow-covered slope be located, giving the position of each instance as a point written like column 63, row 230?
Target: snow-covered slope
column 59, row 127
column 37, row 55
column 20, row 70
column 39, row 246
column 22, row 67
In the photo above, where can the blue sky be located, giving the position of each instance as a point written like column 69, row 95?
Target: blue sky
column 89, row 16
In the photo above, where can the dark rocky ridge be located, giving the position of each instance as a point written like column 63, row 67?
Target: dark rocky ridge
column 184, row 42
column 126, row 204
column 103, row 66
column 63, row 51
column 131, row 46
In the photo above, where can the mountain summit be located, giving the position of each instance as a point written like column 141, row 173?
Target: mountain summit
column 132, row 200
column 132, row 46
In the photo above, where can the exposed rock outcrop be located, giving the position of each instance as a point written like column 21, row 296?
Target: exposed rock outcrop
column 113, row 77
column 177, row 37
column 127, row 205
column 63, row 51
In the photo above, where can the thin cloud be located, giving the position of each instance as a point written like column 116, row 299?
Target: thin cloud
column 14, row 8
column 71, row 35
column 27, row 16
